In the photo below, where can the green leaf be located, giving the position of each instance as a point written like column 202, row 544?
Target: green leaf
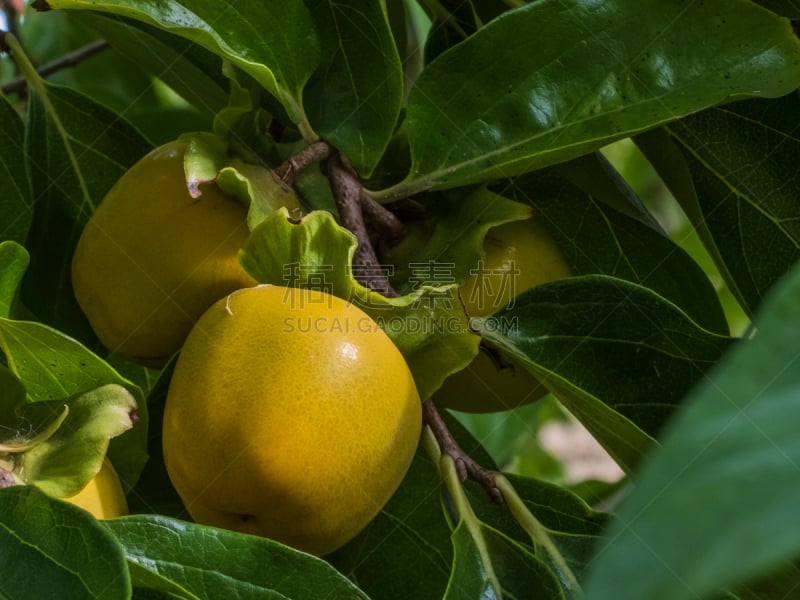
column 556, row 79
column 66, row 461
column 76, row 151
column 573, row 526
column 605, row 347
column 786, row 8
column 405, row 551
column 14, row 260
column 601, row 231
column 274, row 41
column 16, row 198
column 354, row 99
column 428, row 326
column 213, row 563
column 742, row 159
column 55, row 367
column 149, row 585
column 519, row 573
column 715, row 506
column 52, row 547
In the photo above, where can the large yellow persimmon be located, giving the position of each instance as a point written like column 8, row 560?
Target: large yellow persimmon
column 103, row 495
column 517, row 256
column 152, row 259
column 290, row 415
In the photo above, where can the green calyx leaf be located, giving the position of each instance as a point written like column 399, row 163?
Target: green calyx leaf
column 64, row 444
column 428, row 324
column 208, row 161
column 451, row 234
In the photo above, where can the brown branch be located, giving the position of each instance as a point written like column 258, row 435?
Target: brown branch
column 466, row 467
column 68, row 60
column 313, row 153
column 382, row 219
column 347, row 192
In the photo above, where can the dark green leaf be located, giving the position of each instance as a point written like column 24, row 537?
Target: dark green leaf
column 213, row 563
column 14, row 260
column 354, row 98
column 50, row 548
column 605, row 347
column 154, row 492
column 75, row 154
column 603, row 232
column 787, row 8
column 716, row 505
column 556, row 79
column 743, row 160
column 405, row 551
column 517, row 571
column 15, row 189
column 780, row 584
column 274, row 41
column 149, row 585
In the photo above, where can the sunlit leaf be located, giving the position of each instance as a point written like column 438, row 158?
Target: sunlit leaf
column 553, row 80
column 215, row 563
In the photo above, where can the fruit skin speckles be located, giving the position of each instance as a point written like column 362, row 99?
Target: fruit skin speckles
column 279, row 426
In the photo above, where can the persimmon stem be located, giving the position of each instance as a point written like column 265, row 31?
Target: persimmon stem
column 292, row 166
column 465, row 465
column 347, row 191
column 382, row 219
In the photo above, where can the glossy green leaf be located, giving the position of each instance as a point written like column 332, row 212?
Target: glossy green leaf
column 553, row 80
column 14, row 260
column 742, row 159
column 76, row 150
column 16, row 198
column 49, row 547
column 614, row 235
column 605, row 347
column 354, row 98
column 715, row 506
column 214, row 563
column 274, row 41
column 428, row 325
column 405, row 551
column 53, row 366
